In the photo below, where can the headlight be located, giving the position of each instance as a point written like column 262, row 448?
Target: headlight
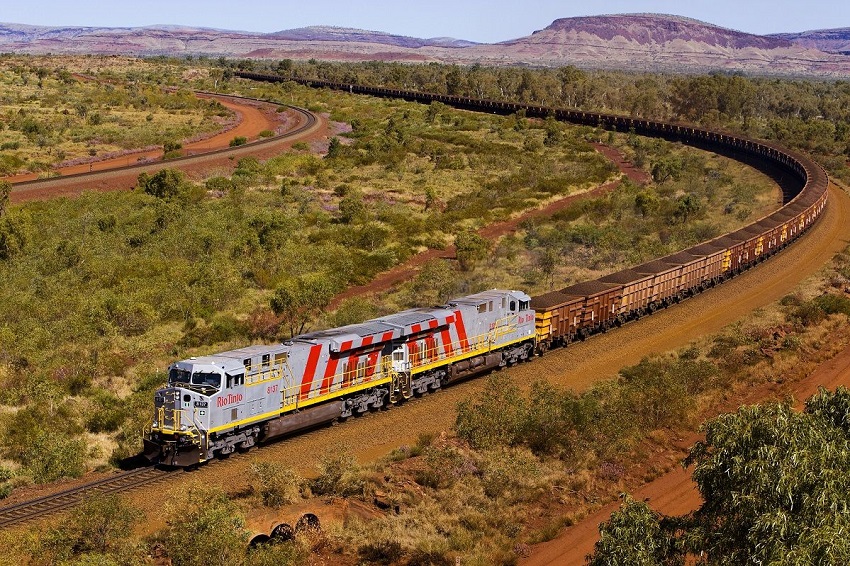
column 155, row 424
column 184, row 428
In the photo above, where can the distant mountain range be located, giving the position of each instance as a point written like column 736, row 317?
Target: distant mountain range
column 828, row 40
column 652, row 42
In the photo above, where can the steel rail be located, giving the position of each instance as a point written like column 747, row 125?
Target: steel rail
column 49, row 504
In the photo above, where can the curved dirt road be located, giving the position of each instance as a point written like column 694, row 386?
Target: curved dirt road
column 104, row 175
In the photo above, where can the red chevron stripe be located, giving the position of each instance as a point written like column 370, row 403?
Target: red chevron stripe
column 461, row 331
column 310, row 370
column 330, row 372
column 446, row 337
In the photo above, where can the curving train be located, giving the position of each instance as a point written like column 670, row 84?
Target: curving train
column 215, row 405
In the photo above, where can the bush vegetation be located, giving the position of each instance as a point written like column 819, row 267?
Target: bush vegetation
column 807, row 115
column 772, row 481
column 128, row 281
column 53, row 116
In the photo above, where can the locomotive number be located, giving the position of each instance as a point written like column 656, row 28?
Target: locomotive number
column 271, row 389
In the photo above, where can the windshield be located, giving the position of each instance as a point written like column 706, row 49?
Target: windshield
column 177, row 376
column 202, row 378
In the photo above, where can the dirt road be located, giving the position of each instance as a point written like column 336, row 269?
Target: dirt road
column 254, row 117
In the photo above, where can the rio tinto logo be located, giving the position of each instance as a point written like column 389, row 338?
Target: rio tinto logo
column 228, row 399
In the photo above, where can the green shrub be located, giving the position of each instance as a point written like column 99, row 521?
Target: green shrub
column 164, row 184
column 443, row 466
column 275, row 484
column 108, row 414
column 219, row 184
column 495, row 419
column 14, row 235
column 204, row 527
column 339, row 475
column 833, row 304
column 52, row 455
column 238, row 140
column 95, row 532
column 509, row 473
column 808, row 313
column 222, row 329
column 651, row 396
column 555, row 419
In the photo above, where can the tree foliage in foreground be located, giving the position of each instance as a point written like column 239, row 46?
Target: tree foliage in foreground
column 774, row 484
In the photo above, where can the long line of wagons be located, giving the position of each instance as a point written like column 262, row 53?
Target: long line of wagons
column 214, row 405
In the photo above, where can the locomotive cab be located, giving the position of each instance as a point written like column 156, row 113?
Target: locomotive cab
column 178, row 434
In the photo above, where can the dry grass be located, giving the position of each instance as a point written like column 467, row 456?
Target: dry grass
column 54, row 117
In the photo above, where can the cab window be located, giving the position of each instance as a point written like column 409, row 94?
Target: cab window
column 206, row 378
column 176, row 376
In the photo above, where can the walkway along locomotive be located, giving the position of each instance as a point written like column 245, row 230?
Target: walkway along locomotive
column 214, row 405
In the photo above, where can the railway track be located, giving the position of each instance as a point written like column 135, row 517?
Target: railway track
column 26, row 511
column 49, row 504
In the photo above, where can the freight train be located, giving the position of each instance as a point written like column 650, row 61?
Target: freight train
column 215, row 405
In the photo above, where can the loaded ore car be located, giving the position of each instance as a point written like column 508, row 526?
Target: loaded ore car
column 214, row 405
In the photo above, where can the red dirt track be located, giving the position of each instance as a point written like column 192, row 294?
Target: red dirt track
column 113, row 174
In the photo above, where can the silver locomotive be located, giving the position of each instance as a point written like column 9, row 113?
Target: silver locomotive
column 214, row 405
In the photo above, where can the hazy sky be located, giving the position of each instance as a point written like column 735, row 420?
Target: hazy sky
column 475, row 20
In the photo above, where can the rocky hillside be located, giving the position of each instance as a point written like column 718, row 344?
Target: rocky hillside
column 651, row 30
column 828, row 40
column 661, row 42
column 631, row 41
